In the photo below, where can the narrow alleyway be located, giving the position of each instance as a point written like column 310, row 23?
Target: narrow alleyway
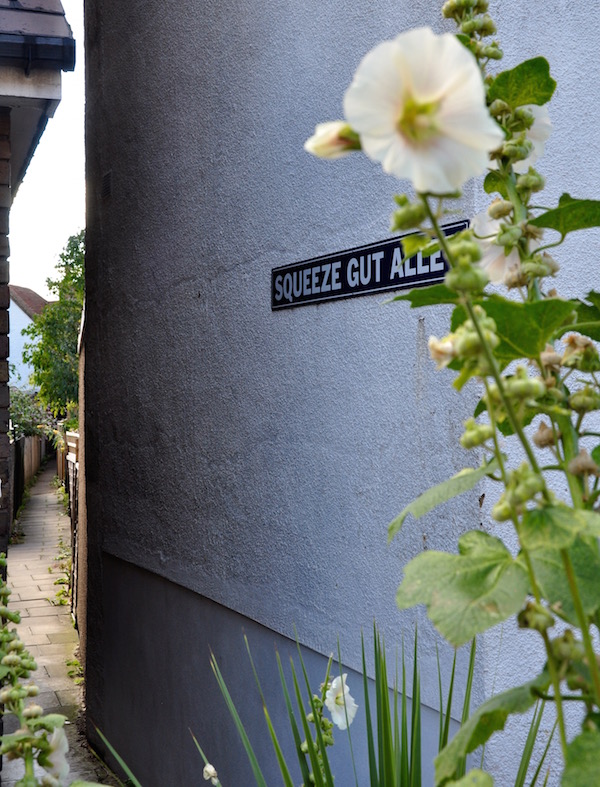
column 46, row 627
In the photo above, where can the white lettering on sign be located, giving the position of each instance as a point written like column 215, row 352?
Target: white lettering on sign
column 373, row 268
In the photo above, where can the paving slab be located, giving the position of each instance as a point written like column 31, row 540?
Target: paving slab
column 47, row 629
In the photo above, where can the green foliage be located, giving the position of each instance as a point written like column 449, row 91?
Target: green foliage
column 570, row 215
column 459, row 483
column 393, row 733
column 487, row 719
column 52, row 350
column 528, row 83
column 468, row 593
column 583, row 756
column 28, row 416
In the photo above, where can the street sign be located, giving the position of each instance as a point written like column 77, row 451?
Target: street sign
column 376, row 267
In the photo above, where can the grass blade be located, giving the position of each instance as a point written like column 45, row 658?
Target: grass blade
column 119, row 759
column 415, row 741
column 304, row 769
column 260, row 779
column 374, row 776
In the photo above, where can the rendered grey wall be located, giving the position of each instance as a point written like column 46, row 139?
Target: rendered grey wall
column 256, row 458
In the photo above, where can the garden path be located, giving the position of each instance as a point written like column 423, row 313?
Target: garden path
column 46, row 627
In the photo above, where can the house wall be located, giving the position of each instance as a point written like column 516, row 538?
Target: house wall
column 242, row 465
column 22, row 371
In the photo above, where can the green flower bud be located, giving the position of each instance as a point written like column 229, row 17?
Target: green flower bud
column 502, row 511
column 11, row 660
column 536, row 617
column 408, row 216
column 491, row 51
column 498, row 108
column 463, row 279
column 499, row 209
column 33, row 711
column 517, row 149
column 523, row 118
column 531, row 181
column 509, row 235
column 585, row 400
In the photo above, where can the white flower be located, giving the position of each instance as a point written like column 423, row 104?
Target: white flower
column 55, row 759
column 332, row 140
column 210, row 772
column 418, row 105
column 340, row 703
column 442, row 351
column 496, row 263
column 537, row 134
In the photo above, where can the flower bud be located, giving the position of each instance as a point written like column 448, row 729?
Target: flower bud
column 583, row 464
column 550, row 358
column 517, row 149
column 332, row 140
column 544, row 437
column 11, row 660
column 523, row 118
column 490, row 51
column 33, row 711
column 531, row 181
column 536, row 617
column 466, row 279
column 584, row 400
column 498, row 108
column 502, row 511
column 521, row 386
column 509, row 235
column 408, row 216
column 475, row 434
column 499, row 209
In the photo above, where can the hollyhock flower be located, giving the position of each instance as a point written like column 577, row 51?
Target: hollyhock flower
column 340, row 703
column 55, row 759
column 496, row 263
column 537, row 134
column 442, row 351
column 418, row 105
column 332, row 140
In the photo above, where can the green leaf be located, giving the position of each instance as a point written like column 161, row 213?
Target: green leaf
column 549, row 571
column 528, row 83
column 556, row 527
column 525, row 328
column 494, row 182
column 412, row 244
column 468, row 593
column 589, row 313
column 570, row 215
column 459, row 483
column 475, row 778
column 428, row 296
column 487, row 719
column 583, row 756
column 596, row 454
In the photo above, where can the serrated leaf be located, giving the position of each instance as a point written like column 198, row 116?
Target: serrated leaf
column 556, row 527
column 570, row 215
column 589, row 313
column 428, row 296
column 459, row 483
column 583, row 756
column 551, row 578
column 494, row 182
column 487, row 719
column 467, row 593
column 525, row 328
column 528, row 83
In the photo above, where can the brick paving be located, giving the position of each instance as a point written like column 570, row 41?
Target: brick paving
column 46, row 626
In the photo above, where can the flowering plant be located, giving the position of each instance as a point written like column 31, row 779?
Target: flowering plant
column 436, row 121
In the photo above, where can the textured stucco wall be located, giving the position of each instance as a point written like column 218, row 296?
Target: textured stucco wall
column 255, row 458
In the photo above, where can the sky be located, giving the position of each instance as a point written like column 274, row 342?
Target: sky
column 53, row 190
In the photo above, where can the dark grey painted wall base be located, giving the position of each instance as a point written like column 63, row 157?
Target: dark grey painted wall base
column 157, row 685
